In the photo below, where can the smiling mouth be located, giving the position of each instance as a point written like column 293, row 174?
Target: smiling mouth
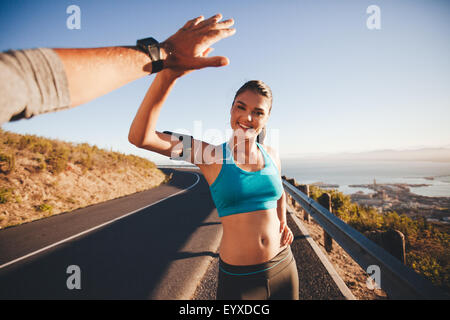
column 244, row 127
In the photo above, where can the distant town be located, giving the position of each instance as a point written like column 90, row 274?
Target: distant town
column 398, row 197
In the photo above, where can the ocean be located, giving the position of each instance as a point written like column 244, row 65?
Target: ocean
column 345, row 173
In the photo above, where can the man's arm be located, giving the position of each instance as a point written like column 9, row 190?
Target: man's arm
column 93, row 72
column 36, row 81
column 43, row 80
column 31, row 82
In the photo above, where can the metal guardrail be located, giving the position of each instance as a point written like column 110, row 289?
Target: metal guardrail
column 396, row 279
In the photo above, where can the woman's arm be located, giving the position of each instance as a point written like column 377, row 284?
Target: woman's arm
column 287, row 237
column 142, row 131
column 281, row 208
column 195, row 54
column 281, row 203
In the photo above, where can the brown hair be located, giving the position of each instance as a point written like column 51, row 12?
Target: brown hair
column 259, row 87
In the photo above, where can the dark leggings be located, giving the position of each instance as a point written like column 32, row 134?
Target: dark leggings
column 276, row 279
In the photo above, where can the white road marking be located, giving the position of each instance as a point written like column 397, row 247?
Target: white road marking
column 96, row 227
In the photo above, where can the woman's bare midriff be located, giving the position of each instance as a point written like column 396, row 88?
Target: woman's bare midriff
column 250, row 238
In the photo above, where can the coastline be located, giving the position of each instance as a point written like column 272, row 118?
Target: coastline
column 399, row 197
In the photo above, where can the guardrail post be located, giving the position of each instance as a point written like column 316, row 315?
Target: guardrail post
column 325, row 201
column 305, row 189
column 393, row 241
column 294, row 183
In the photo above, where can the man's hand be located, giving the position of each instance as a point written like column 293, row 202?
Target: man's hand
column 189, row 47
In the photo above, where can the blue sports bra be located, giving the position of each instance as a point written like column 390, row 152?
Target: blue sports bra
column 238, row 191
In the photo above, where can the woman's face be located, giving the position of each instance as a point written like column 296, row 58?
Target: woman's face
column 249, row 114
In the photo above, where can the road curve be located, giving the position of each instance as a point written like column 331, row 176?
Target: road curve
column 123, row 247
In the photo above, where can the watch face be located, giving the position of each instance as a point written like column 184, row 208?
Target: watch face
column 151, row 46
column 154, row 52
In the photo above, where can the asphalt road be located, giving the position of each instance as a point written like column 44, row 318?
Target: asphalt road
column 128, row 258
column 157, row 244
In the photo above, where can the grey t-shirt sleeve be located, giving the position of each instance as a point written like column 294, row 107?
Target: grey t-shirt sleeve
column 32, row 82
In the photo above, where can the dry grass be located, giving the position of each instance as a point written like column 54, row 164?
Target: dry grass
column 41, row 177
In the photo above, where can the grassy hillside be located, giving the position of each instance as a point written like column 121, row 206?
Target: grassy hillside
column 41, row 177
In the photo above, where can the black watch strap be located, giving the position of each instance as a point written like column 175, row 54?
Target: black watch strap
column 153, row 49
column 157, row 66
column 187, row 146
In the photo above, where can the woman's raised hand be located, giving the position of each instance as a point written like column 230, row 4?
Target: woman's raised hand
column 189, row 47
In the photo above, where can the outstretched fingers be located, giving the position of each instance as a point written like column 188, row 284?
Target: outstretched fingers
column 205, row 61
column 210, row 21
column 189, row 47
column 219, row 34
column 193, row 22
column 224, row 24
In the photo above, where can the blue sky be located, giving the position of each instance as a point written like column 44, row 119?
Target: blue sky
column 337, row 86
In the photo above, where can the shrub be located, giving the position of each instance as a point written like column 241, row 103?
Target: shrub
column 57, row 160
column 42, row 165
column 10, row 141
column 7, row 163
column 5, row 194
column 41, row 146
column 45, row 207
column 86, row 163
column 24, row 142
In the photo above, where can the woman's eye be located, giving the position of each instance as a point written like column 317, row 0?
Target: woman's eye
column 240, row 107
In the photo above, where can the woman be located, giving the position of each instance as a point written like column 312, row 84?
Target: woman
column 245, row 183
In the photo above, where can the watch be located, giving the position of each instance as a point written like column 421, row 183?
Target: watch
column 153, row 48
